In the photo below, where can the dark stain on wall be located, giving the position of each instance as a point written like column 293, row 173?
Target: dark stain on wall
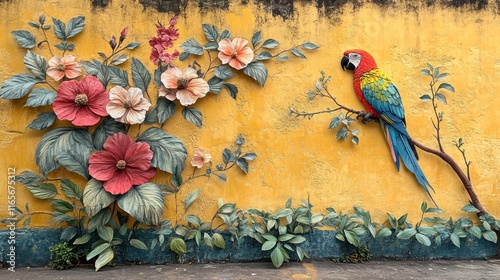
column 473, row 4
column 100, row 3
column 286, row 8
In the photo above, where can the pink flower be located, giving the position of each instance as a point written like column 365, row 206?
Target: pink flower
column 122, row 164
column 127, row 106
column 235, row 52
column 66, row 66
column 164, row 41
column 83, row 103
column 200, row 158
column 187, row 86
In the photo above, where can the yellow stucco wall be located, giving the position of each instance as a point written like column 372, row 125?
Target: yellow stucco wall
column 297, row 157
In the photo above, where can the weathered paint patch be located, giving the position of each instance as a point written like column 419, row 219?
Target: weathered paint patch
column 286, row 8
column 100, row 3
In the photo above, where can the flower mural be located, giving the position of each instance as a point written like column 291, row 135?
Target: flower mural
column 117, row 139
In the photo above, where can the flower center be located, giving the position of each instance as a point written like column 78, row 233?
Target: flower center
column 60, row 67
column 182, row 83
column 121, row 164
column 234, row 54
column 127, row 104
column 81, row 99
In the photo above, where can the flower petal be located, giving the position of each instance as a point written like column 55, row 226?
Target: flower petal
column 236, row 64
column 55, row 74
column 190, row 73
column 139, row 156
column 115, row 109
column 85, row 117
column 135, row 117
column 224, row 58
column 140, row 177
column 199, row 87
column 170, row 77
column 102, row 165
column 226, row 47
column 239, row 43
column 245, row 55
column 117, row 144
column 186, row 97
column 120, row 183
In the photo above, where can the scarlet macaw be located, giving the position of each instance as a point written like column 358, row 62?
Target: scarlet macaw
column 383, row 102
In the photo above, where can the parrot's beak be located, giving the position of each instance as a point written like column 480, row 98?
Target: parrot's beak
column 346, row 64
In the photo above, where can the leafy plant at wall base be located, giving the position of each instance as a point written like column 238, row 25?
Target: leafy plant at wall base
column 65, row 256
column 358, row 255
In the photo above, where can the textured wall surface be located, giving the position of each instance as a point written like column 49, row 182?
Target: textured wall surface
column 298, row 157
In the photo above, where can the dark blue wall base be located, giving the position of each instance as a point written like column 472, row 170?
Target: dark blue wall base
column 32, row 249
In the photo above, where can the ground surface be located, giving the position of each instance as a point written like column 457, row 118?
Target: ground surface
column 380, row 269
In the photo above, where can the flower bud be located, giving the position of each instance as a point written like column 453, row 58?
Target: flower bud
column 41, row 19
column 123, row 34
column 112, row 42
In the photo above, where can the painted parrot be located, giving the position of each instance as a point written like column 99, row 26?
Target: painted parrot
column 383, row 102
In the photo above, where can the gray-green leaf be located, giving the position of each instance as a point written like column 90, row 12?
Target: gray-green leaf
column 193, row 115
column 42, row 121
column 145, row 203
column 40, row 97
column 36, row 64
column 18, row 86
column 95, row 197
column 256, row 70
column 191, row 198
column 140, row 75
column 24, row 38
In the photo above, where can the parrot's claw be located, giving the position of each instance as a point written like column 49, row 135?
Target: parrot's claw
column 366, row 117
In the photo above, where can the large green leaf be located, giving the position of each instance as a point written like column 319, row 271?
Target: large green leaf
column 256, row 70
column 223, row 72
column 277, row 257
column 36, row 64
column 95, row 197
column 104, row 257
column 40, row 97
column 140, row 75
column 97, row 69
column 144, row 203
column 107, row 128
column 169, row 153
column 59, row 29
column 61, row 140
column 18, row 86
column 24, row 38
column 73, row 162
column 210, row 32
column 42, row 121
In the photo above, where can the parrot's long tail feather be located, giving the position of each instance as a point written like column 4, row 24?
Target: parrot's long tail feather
column 400, row 145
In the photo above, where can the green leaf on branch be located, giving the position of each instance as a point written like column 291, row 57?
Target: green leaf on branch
column 215, row 84
column 95, row 197
column 225, row 34
column 352, row 237
column 210, row 32
column 309, row 46
column 118, row 76
column 145, row 203
column 178, row 246
column 425, row 97
column 471, row 209
column 446, row 86
column 132, row 45
column 24, row 38
column 298, row 53
column 119, row 59
column 191, row 198
column 105, row 233
column 211, row 46
column 425, row 72
column 270, row 44
column 406, row 234
column 441, row 97
column 107, row 128
column 82, row 239
column 422, row 239
column 193, row 115
column 256, row 38
column 18, row 86
column 242, row 164
column 490, row 236
column 59, row 29
column 165, row 109
column 192, row 46
column 40, row 97
column 223, row 72
column 256, row 70
column 455, row 239
column 75, row 26
column 277, row 257
column 264, row 56
column 61, row 205
column 138, row 244
column 218, row 240
column 99, row 219
column 36, row 64
column 28, row 177
column 169, row 153
column 140, row 75
column 232, row 89
column 42, row 190
column 342, row 133
column 42, row 121
column 70, row 189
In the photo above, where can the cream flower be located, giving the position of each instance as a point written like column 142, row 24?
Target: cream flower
column 186, row 86
column 127, row 106
column 235, row 52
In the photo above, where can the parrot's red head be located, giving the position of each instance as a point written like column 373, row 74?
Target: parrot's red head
column 358, row 60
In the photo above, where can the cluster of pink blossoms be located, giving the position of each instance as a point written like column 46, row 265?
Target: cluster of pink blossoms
column 164, row 41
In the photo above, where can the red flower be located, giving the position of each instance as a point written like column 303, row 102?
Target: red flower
column 164, row 41
column 122, row 164
column 83, row 103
